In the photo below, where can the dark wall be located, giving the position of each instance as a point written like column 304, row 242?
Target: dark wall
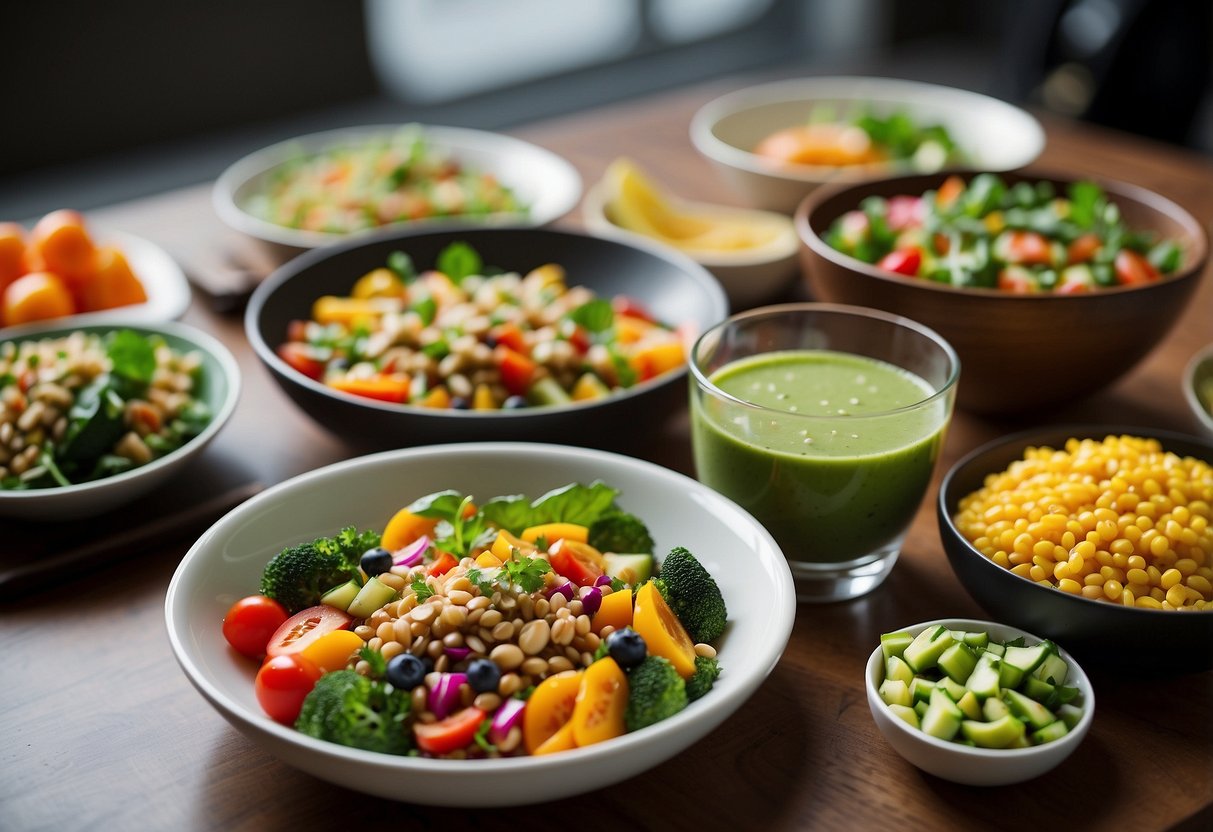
column 93, row 77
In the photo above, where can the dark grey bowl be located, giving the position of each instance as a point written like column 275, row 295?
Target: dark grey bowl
column 1127, row 638
column 673, row 287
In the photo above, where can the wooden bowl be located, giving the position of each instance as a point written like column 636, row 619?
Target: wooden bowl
column 1016, row 351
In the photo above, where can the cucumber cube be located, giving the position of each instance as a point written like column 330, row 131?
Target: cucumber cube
column 1029, row 710
column 1009, row 676
column 920, row 708
column 984, row 680
column 1000, row 733
column 1027, row 659
column 1041, row 691
column 994, row 709
column 631, row 569
column 977, row 639
column 907, row 715
column 970, row 705
column 896, row 668
column 895, row 692
column 996, row 649
column 1069, row 715
column 895, row 644
column 942, row 719
column 958, row 662
column 921, row 688
column 954, row 690
column 373, row 595
column 1053, row 669
column 924, row 651
column 342, row 595
column 1052, row 731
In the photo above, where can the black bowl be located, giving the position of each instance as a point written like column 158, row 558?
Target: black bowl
column 672, row 287
column 1130, row 639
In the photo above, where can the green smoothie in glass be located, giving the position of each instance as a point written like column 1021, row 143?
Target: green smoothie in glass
column 831, row 451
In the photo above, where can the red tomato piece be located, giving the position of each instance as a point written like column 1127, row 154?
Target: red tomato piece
column 302, row 628
column 1083, row 249
column 1073, row 287
column 904, row 212
column 1133, row 270
column 455, row 732
column 575, row 561
column 442, row 564
column 1028, row 248
column 631, row 308
column 903, row 261
column 1017, row 281
column 299, row 357
column 511, row 335
column 517, row 371
column 282, row 684
column 251, row 622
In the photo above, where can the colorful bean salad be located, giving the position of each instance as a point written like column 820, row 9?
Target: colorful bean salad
column 1118, row 520
column 375, row 182
column 86, row 406
column 1019, row 239
column 467, row 336
column 511, row 628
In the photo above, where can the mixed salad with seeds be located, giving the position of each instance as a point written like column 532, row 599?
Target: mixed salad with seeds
column 85, row 406
column 468, row 336
column 515, row 627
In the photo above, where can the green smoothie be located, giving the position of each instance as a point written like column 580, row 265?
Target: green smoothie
column 835, row 458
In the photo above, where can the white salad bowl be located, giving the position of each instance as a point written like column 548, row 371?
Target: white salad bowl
column 226, row 563
column 544, row 182
column 967, row 764
column 992, row 135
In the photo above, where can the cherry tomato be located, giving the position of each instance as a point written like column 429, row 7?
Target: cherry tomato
column 1026, row 247
column 903, row 261
column 1133, row 270
column 517, row 371
column 1017, row 281
column 579, row 562
column 300, row 357
column 442, row 564
column 251, row 622
column 1083, row 249
column 455, row 732
column 303, row 628
column 282, row 684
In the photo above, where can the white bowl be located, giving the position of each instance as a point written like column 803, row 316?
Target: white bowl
column 543, row 181
column 226, row 563
column 993, row 135
column 1199, row 369
column 220, row 388
column 748, row 277
column 965, row 764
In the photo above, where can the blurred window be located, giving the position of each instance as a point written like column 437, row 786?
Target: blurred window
column 679, row 21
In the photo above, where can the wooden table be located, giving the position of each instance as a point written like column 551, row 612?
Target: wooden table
column 101, row 729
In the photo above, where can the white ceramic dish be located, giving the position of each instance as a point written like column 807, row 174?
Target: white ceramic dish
column 226, row 563
column 748, row 277
column 1199, row 371
column 977, row 766
column 993, row 135
column 220, row 388
column 168, row 292
column 545, row 182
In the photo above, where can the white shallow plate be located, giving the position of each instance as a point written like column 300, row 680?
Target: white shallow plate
column 226, row 563
column 168, row 292
column 545, row 182
column 1198, row 369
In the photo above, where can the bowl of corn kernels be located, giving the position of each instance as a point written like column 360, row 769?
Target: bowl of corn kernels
column 1095, row 535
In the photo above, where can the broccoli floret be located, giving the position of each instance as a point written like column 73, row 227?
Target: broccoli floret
column 348, row 708
column 655, row 692
column 693, row 595
column 620, row 532
column 297, row 576
column 706, row 671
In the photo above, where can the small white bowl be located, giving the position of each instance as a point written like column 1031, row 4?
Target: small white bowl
column 966, row 764
column 226, row 563
column 749, row 276
column 1199, row 370
column 993, row 135
column 543, row 181
column 219, row 388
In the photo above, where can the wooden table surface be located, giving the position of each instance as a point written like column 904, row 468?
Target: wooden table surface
column 101, row 730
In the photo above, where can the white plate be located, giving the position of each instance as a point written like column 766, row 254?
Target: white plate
column 168, row 292
column 540, row 179
column 226, row 563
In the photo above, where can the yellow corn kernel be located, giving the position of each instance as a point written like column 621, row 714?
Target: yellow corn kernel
column 1177, row 595
column 1071, row 586
column 1138, row 576
column 1136, row 562
column 1149, row 603
column 1094, row 592
column 1170, row 578
column 1112, row 589
column 1023, row 570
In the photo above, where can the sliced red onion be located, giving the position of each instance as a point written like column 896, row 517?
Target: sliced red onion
column 591, row 599
column 458, row 654
column 412, row 554
column 566, row 589
column 443, row 698
column 603, row 580
column 506, row 717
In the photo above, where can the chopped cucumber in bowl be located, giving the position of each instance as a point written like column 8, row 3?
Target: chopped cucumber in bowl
column 978, row 702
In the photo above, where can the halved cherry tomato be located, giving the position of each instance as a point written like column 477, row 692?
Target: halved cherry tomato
column 303, row 628
column 510, row 334
column 301, row 357
column 296, row 330
column 1026, row 247
column 1082, row 249
column 251, row 622
column 1017, row 281
column 282, row 684
column 903, row 261
column 442, row 564
column 1133, row 270
column 517, row 371
column 455, row 732
column 581, row 563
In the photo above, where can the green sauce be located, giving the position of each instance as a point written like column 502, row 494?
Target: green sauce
column 836, row 465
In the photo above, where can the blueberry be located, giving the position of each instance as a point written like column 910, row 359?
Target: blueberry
column 460, row 403
column 405, row 672
column 484, row 675
column 376, row 561
column 626, row 647
column 514, row 403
